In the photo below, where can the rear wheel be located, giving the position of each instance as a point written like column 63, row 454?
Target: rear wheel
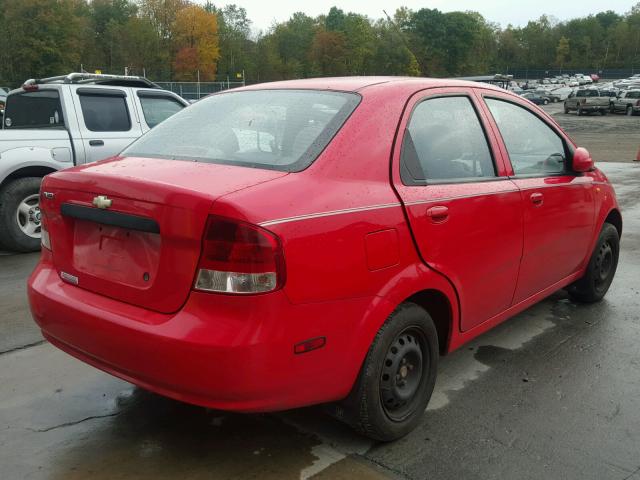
column 596, row 281
column 580, row 112
column 397, row 378
column 566, row 110
column 629, row 110
column 20, row 215
column 603, row 112
column 612, row 109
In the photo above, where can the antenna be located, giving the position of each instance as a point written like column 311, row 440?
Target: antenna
column 402, row 37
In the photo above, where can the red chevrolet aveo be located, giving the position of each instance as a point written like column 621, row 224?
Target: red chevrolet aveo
column 319, row 241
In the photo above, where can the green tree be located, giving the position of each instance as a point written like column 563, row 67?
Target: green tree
column 562, row 52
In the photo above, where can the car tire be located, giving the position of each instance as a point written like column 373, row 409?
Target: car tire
column 612, row 109
column 579, row 112
column 397, row 377
column 566, row 111
column 595, row 283
column 603, row 112
column 545, row 102
column 629, row 111
column 555, row 100
column 20, row 215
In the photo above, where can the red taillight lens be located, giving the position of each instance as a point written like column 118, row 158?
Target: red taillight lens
column 239, row 257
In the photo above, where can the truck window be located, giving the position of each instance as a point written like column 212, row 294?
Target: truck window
column 39, row 109
column 158, row 109
column 105, row 113
column 587, row 93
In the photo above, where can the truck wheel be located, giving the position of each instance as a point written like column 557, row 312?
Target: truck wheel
column 596, row 281
column 20, row 215
column 629, row 110
column 397, row 377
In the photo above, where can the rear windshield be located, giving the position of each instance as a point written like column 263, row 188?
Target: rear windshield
column 39, row 109
column 587, row 93
column 274, row 129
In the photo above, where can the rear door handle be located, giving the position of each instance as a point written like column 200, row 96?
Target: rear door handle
column 96, row 143
column 438, row 213
column 537, row 198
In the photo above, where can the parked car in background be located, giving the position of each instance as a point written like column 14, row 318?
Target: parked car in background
column 562, row 92
column 319, row 241
column 628, row 102
column 587, row 100
column 536, row 98
column 59, row 122
column 595, row 77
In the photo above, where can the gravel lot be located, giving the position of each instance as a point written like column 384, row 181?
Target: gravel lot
column 613, row 137
column 551, row 393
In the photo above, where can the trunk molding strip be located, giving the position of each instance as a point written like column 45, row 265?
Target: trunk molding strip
column 105, row 217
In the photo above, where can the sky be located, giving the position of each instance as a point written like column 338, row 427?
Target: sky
column 264, row 12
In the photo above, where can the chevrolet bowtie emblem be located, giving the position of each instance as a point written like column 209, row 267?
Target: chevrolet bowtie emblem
column 101, row 201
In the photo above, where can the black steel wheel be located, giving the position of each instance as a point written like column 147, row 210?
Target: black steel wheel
column 402, row 373
column 595, row 283
column 397, row 377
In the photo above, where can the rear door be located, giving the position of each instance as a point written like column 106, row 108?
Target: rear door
column 465, row 214
column 558, row 204
column 155, row 106
column 107, row 119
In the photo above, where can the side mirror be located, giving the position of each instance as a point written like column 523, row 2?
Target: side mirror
column 582, row 161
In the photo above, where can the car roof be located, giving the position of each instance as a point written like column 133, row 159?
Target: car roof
column 357, row 84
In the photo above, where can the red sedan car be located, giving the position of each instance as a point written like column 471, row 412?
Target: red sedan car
column 319, row 241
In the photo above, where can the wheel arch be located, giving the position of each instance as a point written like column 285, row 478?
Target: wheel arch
column 28, row 171
column 614, row 217
column 438, row 306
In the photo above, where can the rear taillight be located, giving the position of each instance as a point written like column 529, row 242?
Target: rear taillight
column 239, row 257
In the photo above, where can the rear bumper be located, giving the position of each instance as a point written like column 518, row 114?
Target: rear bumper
column 224, row 352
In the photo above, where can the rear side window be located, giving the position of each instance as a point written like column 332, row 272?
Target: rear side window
column 534, row 148
column 39, row 109
column 273, row 129
column 445, row 141
column 157, row 109
column 105, row 113
column 587, row 93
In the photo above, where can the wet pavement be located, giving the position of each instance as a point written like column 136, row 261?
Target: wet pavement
column 551, row 393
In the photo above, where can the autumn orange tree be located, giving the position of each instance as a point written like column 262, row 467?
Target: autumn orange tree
column 195, row 36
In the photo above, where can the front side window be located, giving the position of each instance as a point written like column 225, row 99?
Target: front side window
column 273, row 129
column 39, row 109
column 444, row 141
column 158, row 109
column 105, row 113
column 534, row 148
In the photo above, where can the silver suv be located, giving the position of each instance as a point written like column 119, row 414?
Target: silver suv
column 55, row 123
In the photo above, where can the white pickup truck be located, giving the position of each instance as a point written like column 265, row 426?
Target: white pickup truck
column 55, row 123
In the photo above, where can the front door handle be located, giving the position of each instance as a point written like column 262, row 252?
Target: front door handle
column 438, row 213
column 537, row 199
column 96, row 143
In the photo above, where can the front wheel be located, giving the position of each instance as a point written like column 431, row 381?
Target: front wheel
column 566, row 111
column 595, row 283
column 397, row 377
column 20, row 215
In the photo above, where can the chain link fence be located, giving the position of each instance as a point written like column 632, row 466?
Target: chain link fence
column 197, row 90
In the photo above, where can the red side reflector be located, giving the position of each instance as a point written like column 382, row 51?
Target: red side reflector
column 308, row 345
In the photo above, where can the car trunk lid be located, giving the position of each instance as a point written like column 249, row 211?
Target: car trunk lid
column 131, row 229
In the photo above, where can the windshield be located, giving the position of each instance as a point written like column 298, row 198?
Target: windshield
column 40, row 109
column 274, row 129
